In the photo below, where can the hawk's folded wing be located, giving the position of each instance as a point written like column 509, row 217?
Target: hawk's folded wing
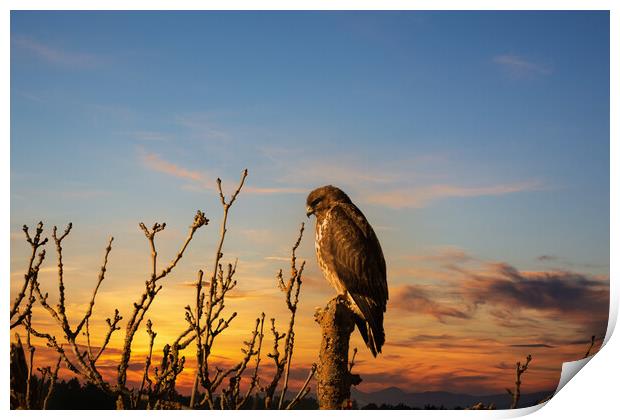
column 351, row 250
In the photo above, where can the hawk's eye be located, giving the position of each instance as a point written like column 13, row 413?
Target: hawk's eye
column 316, row 202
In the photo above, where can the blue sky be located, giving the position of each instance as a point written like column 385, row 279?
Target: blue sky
column 473, row 137
column 473, row 100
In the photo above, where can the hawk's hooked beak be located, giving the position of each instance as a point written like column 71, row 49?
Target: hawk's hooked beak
column 309, row 211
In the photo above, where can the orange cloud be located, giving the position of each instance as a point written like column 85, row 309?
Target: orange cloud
column 155, row 163
column 416, row 299
column 201, row 180
column 423, row 196
column 460, row 331
column 563, row 295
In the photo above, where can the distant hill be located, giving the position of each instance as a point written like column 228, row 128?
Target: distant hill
column 395, row 396
column 73, row 395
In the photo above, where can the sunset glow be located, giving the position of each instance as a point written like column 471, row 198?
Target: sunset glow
column 477, row 145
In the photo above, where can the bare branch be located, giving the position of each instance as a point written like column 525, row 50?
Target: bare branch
column 291, row 288
column 206, row 319
column 230, row 395
column 151, row 289
column 18, row 315
column 519, row 370
column 52, row 384
column 147, row 363
column 85, row 366
column 61, row 285
column 89, row 311
column 254, row 381
column 112, row 326
column 352, row 362
column 210, row 306
column 591, row 346
column 305, row 389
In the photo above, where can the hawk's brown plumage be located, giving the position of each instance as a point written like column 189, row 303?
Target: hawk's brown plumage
column 351, row 259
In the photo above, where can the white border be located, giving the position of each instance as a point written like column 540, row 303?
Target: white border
column 592, row 396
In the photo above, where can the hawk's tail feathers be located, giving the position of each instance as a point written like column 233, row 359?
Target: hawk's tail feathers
column 373, row 337
column 376, row 335
column 364, row 329
column 370, row 322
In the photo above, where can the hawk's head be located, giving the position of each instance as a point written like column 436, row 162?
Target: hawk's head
column 322, row 199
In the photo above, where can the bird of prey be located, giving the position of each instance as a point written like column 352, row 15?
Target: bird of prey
column 351, row 259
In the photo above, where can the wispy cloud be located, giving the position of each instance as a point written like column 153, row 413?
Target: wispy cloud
column 56, row 55
column 143, row 135
column 417, row 300
column 423, row 196
column 519, row 67
column 44, row 270
column 410, row 182
column 465, row 287
column 275, row 190
column 339, row 172
column 547, row 258
column 32, row 97
column 560, row 293
column 275, row 258
column 442, row 255
column 557, row 261
column 257, row 236
column 202, row 127
column 518, row 299
column 532, row 345
column 156, row 163
column 407, row 183
column 205, row 283
column 299, row 166
column 81, row 194
column 199, row 180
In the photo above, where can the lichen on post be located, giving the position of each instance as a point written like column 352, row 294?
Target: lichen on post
column 334, row 378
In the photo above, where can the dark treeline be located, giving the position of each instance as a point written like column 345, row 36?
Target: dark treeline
column 72, row 395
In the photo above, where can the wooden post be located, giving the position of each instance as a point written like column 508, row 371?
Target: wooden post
column 333, row 377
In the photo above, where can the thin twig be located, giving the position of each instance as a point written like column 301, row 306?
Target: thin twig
column 352, row 362
column 147, row 363
column 102, row 271
column 18, row 315
column 254, row 381
column 519, row 370
column 591, row 346
column 220, row 283
column 52, row 384
column 151, row 289
column 291, row 288
column 305, row 389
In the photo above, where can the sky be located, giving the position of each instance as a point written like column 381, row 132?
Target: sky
column 476, row 143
